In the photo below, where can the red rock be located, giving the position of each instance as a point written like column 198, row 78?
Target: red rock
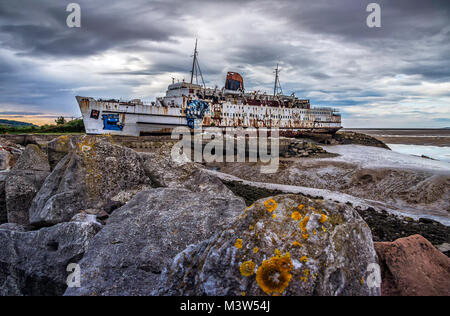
column 413, row 267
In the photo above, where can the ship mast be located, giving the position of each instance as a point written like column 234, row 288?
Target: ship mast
column 196, row 67
column 277, row 85
column 194, row 61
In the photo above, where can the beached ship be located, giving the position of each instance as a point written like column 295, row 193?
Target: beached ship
column 193, row 105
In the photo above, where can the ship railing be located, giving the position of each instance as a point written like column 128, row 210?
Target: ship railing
column 326, row 108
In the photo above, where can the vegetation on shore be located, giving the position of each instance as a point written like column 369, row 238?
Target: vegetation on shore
column 60, row 126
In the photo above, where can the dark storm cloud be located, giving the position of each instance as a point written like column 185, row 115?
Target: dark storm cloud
column 42, row 27
column 325, row 49
column 401, row 19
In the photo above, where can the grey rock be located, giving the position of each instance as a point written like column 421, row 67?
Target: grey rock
column 94, row 172
column 143, row 236
column 15, row 227
column 35, row 262
column 265, row 252
column 444, row 248
column 32, row 159
column 85, row 218
column 59, row 147
column 124, row 196
column 5, row 159
column 165, row 172
column 20, row 189
column 9, row 154
column 23, row 182
column 3, row 212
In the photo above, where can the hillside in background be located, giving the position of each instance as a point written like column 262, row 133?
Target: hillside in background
column 14, row 123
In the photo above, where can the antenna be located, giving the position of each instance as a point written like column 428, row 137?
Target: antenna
column 196, row 67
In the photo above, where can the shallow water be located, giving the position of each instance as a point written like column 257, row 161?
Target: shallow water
column 435, row 152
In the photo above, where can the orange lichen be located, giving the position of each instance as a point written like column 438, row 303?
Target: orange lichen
column 251, row 227
column 296, row 244
column 255, row 250
column 305, row 236
column 296, row 216
column 323, row 218
column 274, row 215
column 362, row 280
column 314, row 231
column 304, row 259
column 271, row 205
column 303, row 224
column 247, row 268
column 306, row 272
column 273, row 276
column 300, row 207
column 238, row 243
column 304, row 279
column 243, row 293
column 324, row 229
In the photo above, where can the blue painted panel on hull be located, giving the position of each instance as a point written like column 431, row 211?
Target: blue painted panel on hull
column 195, row 111
column 111, row 122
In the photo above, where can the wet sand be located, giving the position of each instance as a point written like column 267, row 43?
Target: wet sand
column 426, row 137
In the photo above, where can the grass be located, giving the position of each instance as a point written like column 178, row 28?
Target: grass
column 70, row 127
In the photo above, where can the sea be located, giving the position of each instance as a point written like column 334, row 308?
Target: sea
column 431, row 143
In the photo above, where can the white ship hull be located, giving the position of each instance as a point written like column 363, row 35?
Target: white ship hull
column 135, row 119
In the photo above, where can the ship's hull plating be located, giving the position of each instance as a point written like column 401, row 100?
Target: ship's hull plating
column 120, row 118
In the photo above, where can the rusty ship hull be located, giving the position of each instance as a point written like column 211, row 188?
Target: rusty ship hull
column 219, row 108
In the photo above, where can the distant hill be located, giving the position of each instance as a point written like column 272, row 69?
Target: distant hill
column 15, row 123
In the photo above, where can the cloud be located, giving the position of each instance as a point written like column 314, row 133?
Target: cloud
column 398, row 74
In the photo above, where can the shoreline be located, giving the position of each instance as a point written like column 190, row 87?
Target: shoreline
column 423, row 137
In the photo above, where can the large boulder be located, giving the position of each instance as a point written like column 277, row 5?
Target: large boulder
column 87, row 178
column 35, row 262
column 23, row 182
column 285, row 245
column 142, row 237
column 411, row 266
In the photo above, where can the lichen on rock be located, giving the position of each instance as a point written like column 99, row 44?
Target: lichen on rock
column 93, row 173
column 330, row 262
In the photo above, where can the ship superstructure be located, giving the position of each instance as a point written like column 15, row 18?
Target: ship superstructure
column 193, row 105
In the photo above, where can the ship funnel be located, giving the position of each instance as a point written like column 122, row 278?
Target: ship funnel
column 234, row 81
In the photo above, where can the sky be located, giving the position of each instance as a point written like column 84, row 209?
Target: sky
column 397, row 75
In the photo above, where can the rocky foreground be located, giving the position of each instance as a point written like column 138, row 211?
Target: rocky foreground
column 138, row 223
